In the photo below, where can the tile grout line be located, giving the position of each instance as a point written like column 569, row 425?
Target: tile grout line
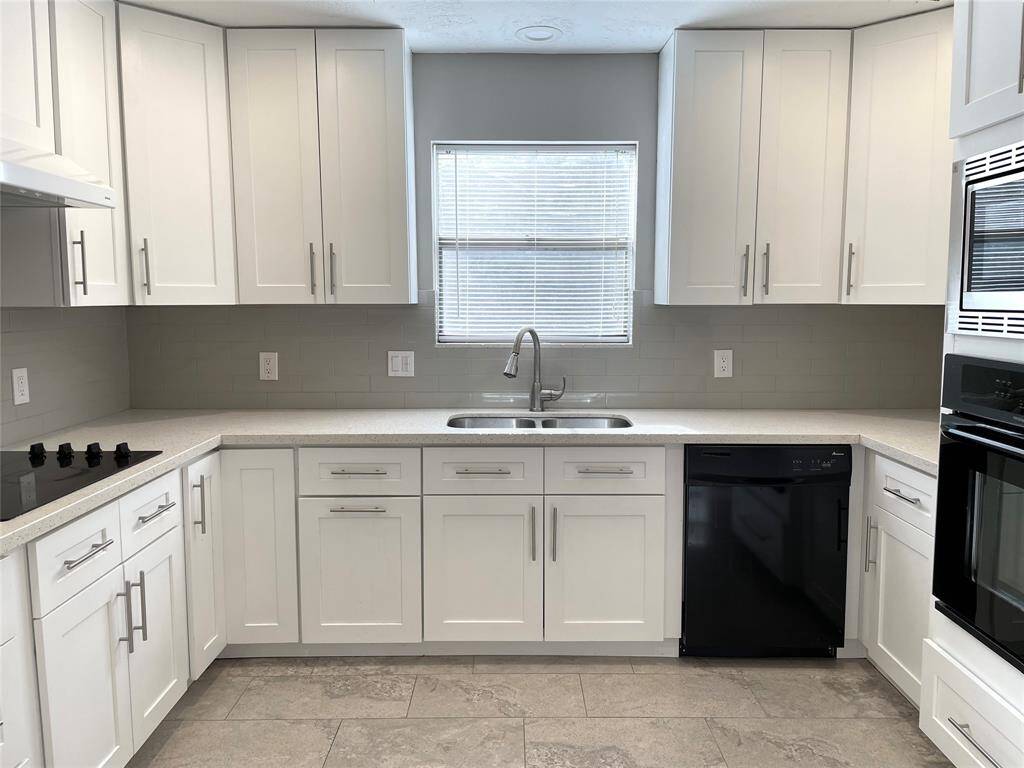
column 240, row 695
column 330, row 747
column 583, row 695
column 718, row 745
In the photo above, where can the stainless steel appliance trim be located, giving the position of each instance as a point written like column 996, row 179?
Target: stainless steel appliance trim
column 964, row 730
column 94, row 550
column 159, row 511
column 900, row 495
column 995, row 444
column 201, row 522
column 145, row 265
column 84, row 282
column 604, row 471
column 129, row 619
column 746, row 268
column 472, row 471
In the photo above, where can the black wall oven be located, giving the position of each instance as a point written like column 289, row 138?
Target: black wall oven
column 979, row 535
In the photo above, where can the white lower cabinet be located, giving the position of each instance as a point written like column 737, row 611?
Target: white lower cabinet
column 204, row 560
column 896, row 597
column 604, row 568
column 360, row 570
column 260, row 566
column 158, row 662
column 20, row 735
column 84, row 689
column 483, row 568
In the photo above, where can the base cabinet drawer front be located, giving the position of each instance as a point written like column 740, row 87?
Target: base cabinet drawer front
column 972, row 724
column 604, row 470
column 897, row 597
column 359, row 561
column 260, row 567
column 905, row 492
column 483, row 567
column 64, row 562
column 483, row 470
column 147, row 513
column 83, row 678
column 204, row 560
column 359, row 471
column 21, row 744
column 604, row 569
column 158, row 660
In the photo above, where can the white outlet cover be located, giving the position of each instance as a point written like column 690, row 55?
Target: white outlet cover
column 723, row 363
column 401, row 364
column 19, row 380
column 268, row 366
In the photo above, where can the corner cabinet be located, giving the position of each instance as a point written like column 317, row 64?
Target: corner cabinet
column 900, row 160
column 988, row 64
column 178, row 158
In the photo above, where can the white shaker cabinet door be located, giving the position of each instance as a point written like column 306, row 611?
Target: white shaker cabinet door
column 896, row 241
column 158, row 667
column 82, row 655
column 483, row 567
column 360, row 565
column 204, row 551
column 275, row 146
column 26, row 110
column 708, row 125
column 20, row 745
column 365, row 98
column 802, row 166
column 88, row 102
column 988, row 63
column 604, row 569
column 178, row 158
column 260, row 566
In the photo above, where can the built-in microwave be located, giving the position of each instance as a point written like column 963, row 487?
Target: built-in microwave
column 987, row 243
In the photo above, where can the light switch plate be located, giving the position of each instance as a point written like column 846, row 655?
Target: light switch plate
column 723, row 363
column 19, row 379
column 401, row 364
column 268, row 366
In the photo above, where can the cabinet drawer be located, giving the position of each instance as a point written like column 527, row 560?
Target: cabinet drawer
column 71, row 558
column 483, row 470
column 359, row 471
column 969, row 722
column 149, row 512
column 604, row 470
column 907, row 493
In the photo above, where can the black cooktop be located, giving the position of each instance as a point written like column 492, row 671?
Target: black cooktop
column 37, row 476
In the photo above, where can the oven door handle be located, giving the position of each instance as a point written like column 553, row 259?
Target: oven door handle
column 989, row 443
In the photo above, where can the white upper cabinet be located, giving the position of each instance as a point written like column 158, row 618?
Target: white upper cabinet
column 26, row 110
column 88, row 103
column 366, row 158
column 900, row 159
column 988, row 63
column 272, row 76
column 178, row 158
column 802, row 166
column 709, row 106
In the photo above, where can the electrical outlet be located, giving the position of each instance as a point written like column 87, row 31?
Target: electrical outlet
column 19, row 378
column 268, row 366
column 401, row 364
column 723, row 363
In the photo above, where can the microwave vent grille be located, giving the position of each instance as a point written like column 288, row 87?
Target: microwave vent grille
column 996, row 161
column 991, row 324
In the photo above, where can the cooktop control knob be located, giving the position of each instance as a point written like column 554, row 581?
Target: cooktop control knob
column 122, row 451
column 93, row 450
column 65, row 451
column 37, row 451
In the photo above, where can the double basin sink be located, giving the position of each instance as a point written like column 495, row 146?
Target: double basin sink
column 539, row 422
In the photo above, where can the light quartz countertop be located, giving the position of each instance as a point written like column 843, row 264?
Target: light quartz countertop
column 911, row 437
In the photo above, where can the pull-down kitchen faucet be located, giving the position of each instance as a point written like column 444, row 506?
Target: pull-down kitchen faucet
column 538, row 395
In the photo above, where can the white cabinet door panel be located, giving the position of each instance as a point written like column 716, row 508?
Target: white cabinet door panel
column 20, row 745
column 260, row 567
column 275, row 144
column 178, row 158
column 483, row 568
column 360, row 568
column 26, row 111
column 204, row 552
column 604, row 569
column 802, row 166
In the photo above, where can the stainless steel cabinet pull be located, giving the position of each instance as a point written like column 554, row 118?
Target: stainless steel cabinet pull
column 94, row 550
column 358, row 509
column 495, row 471
column 84, row 282
column 312, row 270
column 144, row 626
column 345, row 472
column 746, row 268
column 767, row 266
column 128, row 618
column 849, row 269
column 895, row 492
column 201, row 522
column 159, row 511
column 554, row 534
column 334, row 283
column 533, row 534
column 604, row 470
column 869, row 526
column 145, row 265
column 964, row 729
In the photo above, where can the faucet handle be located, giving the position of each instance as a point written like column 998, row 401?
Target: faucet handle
column 553, row 394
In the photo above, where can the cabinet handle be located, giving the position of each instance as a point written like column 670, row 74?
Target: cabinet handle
column 145, row 265
column 358, row 509
column 849, row 268
column 533, row 534
column 746, row 268
column 201, row 522
column 128, row 618
column 899, row 495
column 869, row 526
column 334, row 284
column 312, row 270
column 144, row 626
column 767, row 266
column 94, row 550
column 604, row 470
column 143, row 519
column 554, row 534
column 964, row 730
column 354, row 472
column 84, row 282
column 471, row 471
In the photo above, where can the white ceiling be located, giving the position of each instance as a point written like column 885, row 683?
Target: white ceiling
column 588, row 26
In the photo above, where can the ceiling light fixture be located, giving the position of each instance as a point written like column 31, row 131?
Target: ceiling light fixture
column 539, row 33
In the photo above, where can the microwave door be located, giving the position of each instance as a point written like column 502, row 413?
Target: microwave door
column 993, row 250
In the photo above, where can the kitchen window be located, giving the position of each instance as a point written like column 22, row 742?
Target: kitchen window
column 534, row 234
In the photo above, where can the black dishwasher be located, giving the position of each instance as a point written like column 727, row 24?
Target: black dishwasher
column 764, row 566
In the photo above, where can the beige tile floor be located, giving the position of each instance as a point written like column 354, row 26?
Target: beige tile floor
column 539, row 712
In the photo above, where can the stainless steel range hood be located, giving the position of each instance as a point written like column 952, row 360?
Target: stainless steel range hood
column 32, row 178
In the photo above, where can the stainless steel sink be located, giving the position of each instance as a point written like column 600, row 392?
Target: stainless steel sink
column 491, row 422
column 481, row 421
column 585, row 422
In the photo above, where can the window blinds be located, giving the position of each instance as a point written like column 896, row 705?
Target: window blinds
column 538, row 235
